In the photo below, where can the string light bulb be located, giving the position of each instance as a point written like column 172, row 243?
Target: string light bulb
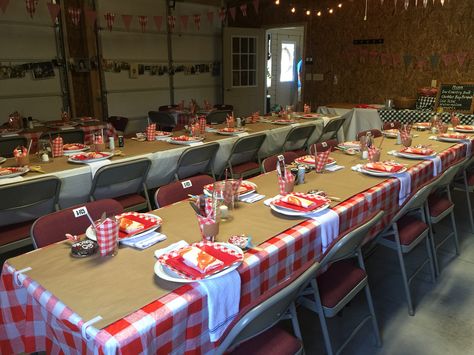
column 331, row 11
column 308, row 12
column 319, row 13
column 277, row 2
column 293, row 10
column 340, row 5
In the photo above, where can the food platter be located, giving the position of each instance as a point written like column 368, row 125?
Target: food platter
column 84, row 158
column 6, row 173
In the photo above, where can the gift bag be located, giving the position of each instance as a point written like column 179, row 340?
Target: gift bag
column 202, row 125
column 107, row 237
column 320, row 160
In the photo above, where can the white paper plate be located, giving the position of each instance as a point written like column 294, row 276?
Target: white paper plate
column 465, row 130
column 91, row 234
column 415, row 156
column 2, row 160
column 389, row 134
column 293, row 213
column 70, row 152
column 230, row 133
column 109, row 155
column 163, row 136
column 381, row 173
column 284, row 122
column 254, row 188
column 451, row 140
column 166, row 274
column 185, row 142
column 20, row 171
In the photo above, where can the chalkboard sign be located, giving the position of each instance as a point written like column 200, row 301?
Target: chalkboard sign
column 456, row 97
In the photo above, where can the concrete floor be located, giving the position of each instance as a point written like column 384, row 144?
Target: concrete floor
column 444, row 311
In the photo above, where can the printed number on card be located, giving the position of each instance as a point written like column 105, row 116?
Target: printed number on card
column 79, row 212
column 186, row 184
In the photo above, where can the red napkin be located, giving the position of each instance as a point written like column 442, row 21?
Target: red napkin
column 384, row 167
column 365, row 106
column 317, row 202
column 418, row 151
column 282, row 183
column 321, row 161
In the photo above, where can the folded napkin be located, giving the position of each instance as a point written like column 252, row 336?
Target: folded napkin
column 468, row 144
column 384, row 167
column 171, row 247
column 405, row 187
column 328, row 220
column 144, row 241
column 418, row 151
column 223, row 307
column 437, row 165
column 251, row 198
column 96, row 165
column 299, row 201
column 334, row 167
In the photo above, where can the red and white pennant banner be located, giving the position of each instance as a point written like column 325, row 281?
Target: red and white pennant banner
column 158, row 22
column 143, row 21
column 197, row 21
column 232, row 13
column 255, row 5
column 222, row 13
column 243, row 9
column 127, row 21
column 3, row 5
column 53, row 11
column 210, row 17
column 31, row 7
column 74, row 15
column 109, row 20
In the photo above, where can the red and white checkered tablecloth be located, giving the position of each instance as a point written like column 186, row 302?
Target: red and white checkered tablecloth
column 32, row 319
column 89, row 130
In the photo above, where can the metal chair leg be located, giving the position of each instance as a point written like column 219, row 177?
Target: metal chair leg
column 411, row 312
column 368, row 295
column 431, row 239
column 294, row 321
column 322, row 318
column 430, row 256
column 468, row 200
column 455, row 233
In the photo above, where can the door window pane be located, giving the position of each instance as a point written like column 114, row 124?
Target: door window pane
column 244, row 61
column 287, row 62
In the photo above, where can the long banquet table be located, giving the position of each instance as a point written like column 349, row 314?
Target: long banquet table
column 77, row 179
column 47, row 307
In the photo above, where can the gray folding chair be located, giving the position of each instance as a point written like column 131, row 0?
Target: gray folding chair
column 8, row 144
column 342, row 274
column 244, row 159
column 218, row 116
column 197, row 160
column 68, row 136
column 297, row 139
column 331, row 129
column 408, row 229
column 465, row 182
column 440, row 205
column 124, row 182
column 22, row 203
column 254, row 332
column 165, row 121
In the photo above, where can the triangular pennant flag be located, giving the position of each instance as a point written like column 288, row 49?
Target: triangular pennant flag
column 442, row 2
column 90, row 15
column 425, row 3
column 171, row 22
column 434, row 60
column 381, row 2
column 255, row 5
column 158, row 22
column 53, row 10
column 210, row 17
column 74, row 15
column 184, row 21
column 407, row 59
column 197, row 21
column 232, row 13
column 397, row 59
column 243, row 9
column 127, row 21
column 421, row 64
column 461, row 57
column 222, row 12
column 448, row 59
column 143, row 21
column 3, row 5
column 31, row 7
column 416, row 3
column 385, row 59
column 407, row 2
column 109, row 19
column 395, row 2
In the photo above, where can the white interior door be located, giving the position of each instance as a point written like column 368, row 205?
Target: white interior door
column 244, row 63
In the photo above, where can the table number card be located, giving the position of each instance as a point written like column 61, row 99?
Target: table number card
column 186, row 184
column 81, row 211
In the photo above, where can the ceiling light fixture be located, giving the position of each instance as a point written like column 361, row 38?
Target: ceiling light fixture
column 277, row 2
column 339, row 6
column 331, row 11
column 293, row 10
column 319, row 13
column 308, row 12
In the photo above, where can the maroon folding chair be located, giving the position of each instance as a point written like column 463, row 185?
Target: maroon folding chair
column 119, row 123
column 52, row 228
column 270, row 163
column 323, row 146
column 179, row 190
column 375, row 133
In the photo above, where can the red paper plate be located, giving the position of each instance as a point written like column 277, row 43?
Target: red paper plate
column 174, row 260
column 149, row 222
column 317, row 199
column 74, row 146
